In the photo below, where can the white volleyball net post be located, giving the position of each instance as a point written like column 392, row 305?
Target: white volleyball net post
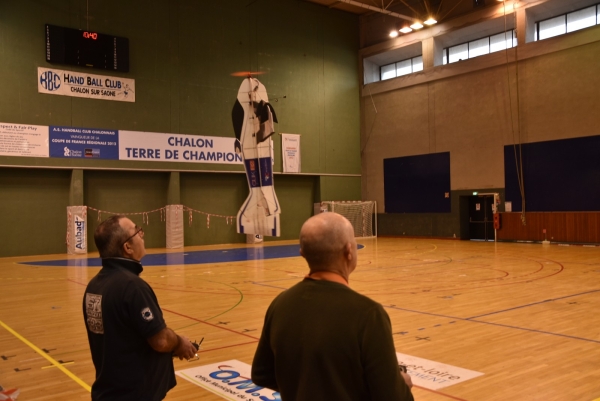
column 361, row 214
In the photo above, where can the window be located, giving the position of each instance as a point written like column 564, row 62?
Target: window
column 569, row 22
column 479, row 47
column 502, row 41
column 552, row 27
column 388, row 71
column 581, row 19
column 457, row 53
column 400, row 68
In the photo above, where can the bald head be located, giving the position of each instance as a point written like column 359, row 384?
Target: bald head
column 327, row 243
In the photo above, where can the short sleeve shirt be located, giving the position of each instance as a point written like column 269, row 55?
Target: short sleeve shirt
column 121, row 312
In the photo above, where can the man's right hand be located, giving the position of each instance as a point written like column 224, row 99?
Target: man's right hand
column 184, row 349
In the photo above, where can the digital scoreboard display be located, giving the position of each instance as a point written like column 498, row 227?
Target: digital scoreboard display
column 86, row 49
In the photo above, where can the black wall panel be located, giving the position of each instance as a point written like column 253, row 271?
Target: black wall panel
column 417, row 184
column 559, row 176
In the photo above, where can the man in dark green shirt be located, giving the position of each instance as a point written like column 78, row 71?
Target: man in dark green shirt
column 323, row 341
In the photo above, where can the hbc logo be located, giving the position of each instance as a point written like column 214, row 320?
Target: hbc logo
column 49, row 80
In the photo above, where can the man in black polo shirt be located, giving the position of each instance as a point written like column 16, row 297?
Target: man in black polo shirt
column 132, row 347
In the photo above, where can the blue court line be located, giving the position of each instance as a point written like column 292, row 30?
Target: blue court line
column 532, row 304
column 191, row 257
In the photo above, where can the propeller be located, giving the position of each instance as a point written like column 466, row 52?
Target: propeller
column 247, row 73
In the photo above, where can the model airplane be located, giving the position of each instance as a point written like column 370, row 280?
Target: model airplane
column 253, row 122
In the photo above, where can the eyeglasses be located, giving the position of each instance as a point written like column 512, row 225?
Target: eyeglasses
column 138, row 230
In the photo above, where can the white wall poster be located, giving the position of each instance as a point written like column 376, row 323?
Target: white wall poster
column 290, row 149
column 23, row 140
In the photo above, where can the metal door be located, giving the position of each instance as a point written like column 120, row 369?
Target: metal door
column 481, row 218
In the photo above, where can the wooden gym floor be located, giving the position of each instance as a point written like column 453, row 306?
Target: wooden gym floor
column 524, row 315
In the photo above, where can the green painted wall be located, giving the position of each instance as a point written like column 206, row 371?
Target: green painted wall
column 223, row 194
column 34, row 204
column 334, row 188
column 181, row 56
column 217, row 194
column 127, row 192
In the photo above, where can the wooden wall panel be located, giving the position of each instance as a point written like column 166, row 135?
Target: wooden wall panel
column 577, row 227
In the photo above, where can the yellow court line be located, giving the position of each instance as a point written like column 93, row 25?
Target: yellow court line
column 53, row 366
column 48, row 357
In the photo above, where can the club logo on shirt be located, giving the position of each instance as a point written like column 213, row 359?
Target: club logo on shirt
column 147, row 314
column 93, row 309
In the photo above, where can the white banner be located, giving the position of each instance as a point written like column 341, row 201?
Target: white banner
column 79, row 84
column 175, row 228
column 230, row 380
column 434, row 375
column 23, row 140
column 76, row 230
column 290, row 149
column 152, row 146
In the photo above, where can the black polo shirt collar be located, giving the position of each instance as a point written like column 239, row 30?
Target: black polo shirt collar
column 119, row 263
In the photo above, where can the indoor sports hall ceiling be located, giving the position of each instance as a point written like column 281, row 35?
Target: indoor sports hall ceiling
column 415, row 9
column 380, row 17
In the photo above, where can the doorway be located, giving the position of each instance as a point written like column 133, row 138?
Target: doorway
column 477, row 217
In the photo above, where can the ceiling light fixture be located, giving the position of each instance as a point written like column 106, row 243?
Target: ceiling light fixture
column 393, row 33
column 417, row 25
column 406, row 30
column 430, row 21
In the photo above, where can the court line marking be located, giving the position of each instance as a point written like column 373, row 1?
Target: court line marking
column 209, row 324
column 226, row 346
column 491, row 323
column 537, row 331
column 48, row 357
column 199, row 320
column 533, row 303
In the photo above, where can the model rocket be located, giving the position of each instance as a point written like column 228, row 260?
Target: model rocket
column 253, row 122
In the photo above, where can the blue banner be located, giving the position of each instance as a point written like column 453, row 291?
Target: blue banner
column 84, row 143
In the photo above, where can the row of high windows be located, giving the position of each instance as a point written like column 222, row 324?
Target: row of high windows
column 403, row 67
column 479, row 47
column 568, row 22
column 544, row 29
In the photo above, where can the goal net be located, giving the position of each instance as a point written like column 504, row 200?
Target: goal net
column 362, row 215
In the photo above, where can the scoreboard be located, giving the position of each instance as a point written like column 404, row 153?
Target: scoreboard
column 86, row 49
